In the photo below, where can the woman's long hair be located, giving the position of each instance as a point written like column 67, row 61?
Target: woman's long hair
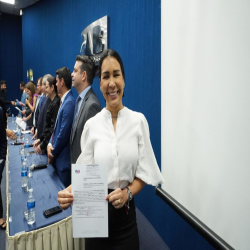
column 31, row 87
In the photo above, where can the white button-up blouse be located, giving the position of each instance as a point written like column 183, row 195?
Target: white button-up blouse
column 127, row 152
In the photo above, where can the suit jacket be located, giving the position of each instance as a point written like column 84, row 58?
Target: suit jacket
column 3, row 106
column 50, row 121
column 89, row 108
column 42, row 117
column 3, row 97
column 60, row 139
column 38, row 110
column 3, row 141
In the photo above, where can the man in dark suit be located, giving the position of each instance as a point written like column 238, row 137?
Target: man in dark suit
column 87, row 103
column 3, row 91
column 3, row 150
column 43, row 106
column 58, row 149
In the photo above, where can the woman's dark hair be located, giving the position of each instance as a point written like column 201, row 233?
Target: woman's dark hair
column 52, row 81
column 110, row 53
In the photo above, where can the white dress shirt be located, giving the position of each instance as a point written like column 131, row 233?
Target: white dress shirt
column 127, row 152
column 34, row 113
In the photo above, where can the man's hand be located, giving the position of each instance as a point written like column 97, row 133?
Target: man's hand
column 49, row 153
column 22, row 104
column 10, row 134
column 34, row 136
column 13, row 103
column 38, row 150
column 32, row 131
column 36, row 143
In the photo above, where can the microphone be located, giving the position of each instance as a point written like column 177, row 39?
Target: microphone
column 17, row 143
column 42, row 166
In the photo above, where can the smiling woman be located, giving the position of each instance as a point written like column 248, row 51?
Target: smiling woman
column 118, row 138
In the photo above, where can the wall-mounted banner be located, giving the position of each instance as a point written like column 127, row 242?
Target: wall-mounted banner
column 95, row 39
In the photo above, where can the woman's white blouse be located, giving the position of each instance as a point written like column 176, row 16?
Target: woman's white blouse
column 127, row 152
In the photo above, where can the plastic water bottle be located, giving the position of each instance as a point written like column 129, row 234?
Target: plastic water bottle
column 26, row 146
column 24, row 176
column 31, row 208
column 22, row 153
column 13, row 118
column 18, row 133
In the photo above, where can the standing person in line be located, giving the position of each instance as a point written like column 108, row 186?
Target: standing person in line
column 39, row 93
column 41, row 144
column 3, row 150
column 118, row 138
column 42, row 109
column 87, row 103
column 30, row 103
column 58, row 149
column 3, row 91
column 21, row 104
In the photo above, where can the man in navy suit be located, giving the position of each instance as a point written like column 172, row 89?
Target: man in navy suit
column 58, row 149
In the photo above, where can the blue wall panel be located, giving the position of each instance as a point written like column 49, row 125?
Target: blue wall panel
column 11, row 66
column 51, row 39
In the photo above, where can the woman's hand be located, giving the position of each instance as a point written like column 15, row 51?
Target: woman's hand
column 118, row 198
column 24, row 119
column 10, row 134
column 65, row 198
column 27, row 101
column 23, row 112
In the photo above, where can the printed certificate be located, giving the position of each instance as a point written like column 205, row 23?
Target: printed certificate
column 90, row 209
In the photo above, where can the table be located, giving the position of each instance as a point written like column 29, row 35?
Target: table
column 46, row 233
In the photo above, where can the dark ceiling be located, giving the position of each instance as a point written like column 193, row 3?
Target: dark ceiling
column 15, row 9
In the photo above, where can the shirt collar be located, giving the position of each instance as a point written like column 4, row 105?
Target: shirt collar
column 84, row 92
column 121, row 112
column 63, row 97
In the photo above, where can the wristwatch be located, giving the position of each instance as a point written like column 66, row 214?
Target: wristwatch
column 130, row 196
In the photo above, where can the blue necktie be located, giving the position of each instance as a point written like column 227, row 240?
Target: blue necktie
column 76, row 111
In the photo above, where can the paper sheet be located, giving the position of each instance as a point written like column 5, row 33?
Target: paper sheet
column 26, row 132
column 90, row 209
column 21, row 123
column 18, row 109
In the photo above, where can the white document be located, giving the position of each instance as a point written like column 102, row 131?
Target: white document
column 90, row 209
column 21, row 123
column 26, row 132
column 18, row 109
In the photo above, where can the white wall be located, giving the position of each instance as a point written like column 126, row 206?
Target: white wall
column 205, row 84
